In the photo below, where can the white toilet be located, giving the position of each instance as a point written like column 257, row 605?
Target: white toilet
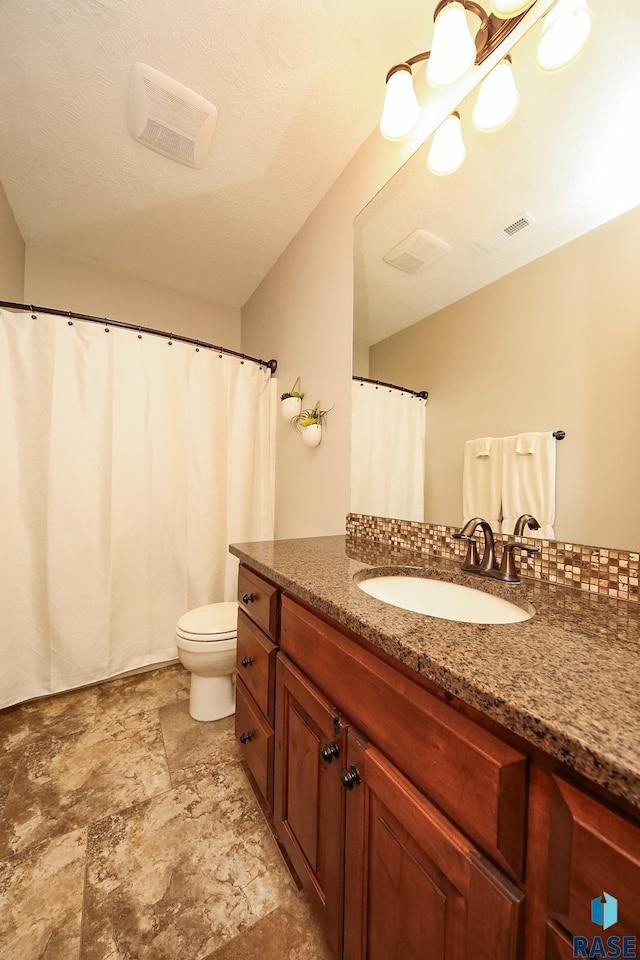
column 207, row 639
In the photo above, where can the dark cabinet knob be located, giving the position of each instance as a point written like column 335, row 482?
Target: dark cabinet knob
column 329, row 752
column 350, row 778
column 248, row 598
column 246, row 737
column 246, row 661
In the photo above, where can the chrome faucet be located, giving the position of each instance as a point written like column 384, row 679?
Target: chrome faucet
column 471, row 563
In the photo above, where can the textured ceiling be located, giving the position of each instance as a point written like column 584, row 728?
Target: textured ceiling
column 298, row 85
column 570, row 157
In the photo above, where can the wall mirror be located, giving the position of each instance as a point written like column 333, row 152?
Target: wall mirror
column 538, row 329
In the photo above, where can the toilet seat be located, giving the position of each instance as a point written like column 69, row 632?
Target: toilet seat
column 211, row 623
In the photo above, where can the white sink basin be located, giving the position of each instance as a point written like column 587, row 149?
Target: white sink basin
column 448, row 601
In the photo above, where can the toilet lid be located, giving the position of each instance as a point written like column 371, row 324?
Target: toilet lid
column 213, row 618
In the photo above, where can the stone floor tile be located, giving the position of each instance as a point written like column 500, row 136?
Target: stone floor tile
column 63, row 783
column 41, row 894
column 60, row 715
column 181, row 874
column 290, row 932
column 190, row 742
column 143, row 691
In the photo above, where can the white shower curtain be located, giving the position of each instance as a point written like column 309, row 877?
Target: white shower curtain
column 387, row 452
column 128, row 466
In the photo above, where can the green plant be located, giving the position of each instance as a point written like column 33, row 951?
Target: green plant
column 294, row 392
column 307, row 418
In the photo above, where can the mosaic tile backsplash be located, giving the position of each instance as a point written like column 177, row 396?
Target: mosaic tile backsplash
column 611, row 573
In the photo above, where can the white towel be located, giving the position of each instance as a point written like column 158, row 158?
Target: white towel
column 526, row 443
column 482, row 481
column 482, row 446
column 529, row 483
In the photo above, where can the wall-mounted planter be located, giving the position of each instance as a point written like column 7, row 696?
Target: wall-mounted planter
column 312, row 434
column 309, row 424
column 290, row 407
column 291, row 402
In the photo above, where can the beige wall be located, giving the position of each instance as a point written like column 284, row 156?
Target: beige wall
column 554, row 345
column 302, row 315
column 54, row 280
column 11, row 254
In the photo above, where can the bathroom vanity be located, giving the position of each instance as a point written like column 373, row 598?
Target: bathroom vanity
column 443, row 789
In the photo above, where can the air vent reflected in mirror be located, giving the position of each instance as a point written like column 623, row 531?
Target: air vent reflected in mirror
column 419, row 249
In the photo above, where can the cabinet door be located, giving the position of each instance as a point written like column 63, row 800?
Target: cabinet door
column 416, row 888
column 308, row 798
column 592, row 851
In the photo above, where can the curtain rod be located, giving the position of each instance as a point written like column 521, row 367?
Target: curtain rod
column 421, row 394
column 271, row 364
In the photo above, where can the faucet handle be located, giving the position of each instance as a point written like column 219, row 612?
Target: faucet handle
column 507, row 571
column 471, row 561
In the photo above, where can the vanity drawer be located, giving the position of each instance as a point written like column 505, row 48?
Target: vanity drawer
column 470, row 774
column 260, row 600
column 256, row 739
column 256, row 662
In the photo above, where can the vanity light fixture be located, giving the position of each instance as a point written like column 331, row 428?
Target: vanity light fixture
column 497, row 98
column 453, row 50
column 447, row 151
column 565, row 31
column 401, row 108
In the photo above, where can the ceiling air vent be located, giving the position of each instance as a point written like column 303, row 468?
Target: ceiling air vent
column 169, row 118
column 416, row 251
column 497, row 239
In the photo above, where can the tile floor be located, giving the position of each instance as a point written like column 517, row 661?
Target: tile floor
column 128, row 831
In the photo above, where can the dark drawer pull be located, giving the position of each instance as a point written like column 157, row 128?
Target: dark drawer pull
column 350, row 778
column 246, row 661
column 246, row 737
column 248, row 598
column 329, row 751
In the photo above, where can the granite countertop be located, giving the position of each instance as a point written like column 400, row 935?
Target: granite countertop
column 567, row 680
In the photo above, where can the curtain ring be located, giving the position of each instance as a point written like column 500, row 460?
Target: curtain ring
column 197, row 346
column 106, row 329
column 33, row 312
column 139, row 331
column 69, row 321
column 242, row 361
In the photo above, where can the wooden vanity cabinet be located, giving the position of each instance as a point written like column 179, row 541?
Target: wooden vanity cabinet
column 415, row 886
column 258, row 627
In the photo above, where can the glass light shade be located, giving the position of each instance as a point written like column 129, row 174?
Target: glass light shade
column 497, row 99
column 447, row 151
column 505, row 9
column 453, row 49
column 401, row 110
column 565, row 31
